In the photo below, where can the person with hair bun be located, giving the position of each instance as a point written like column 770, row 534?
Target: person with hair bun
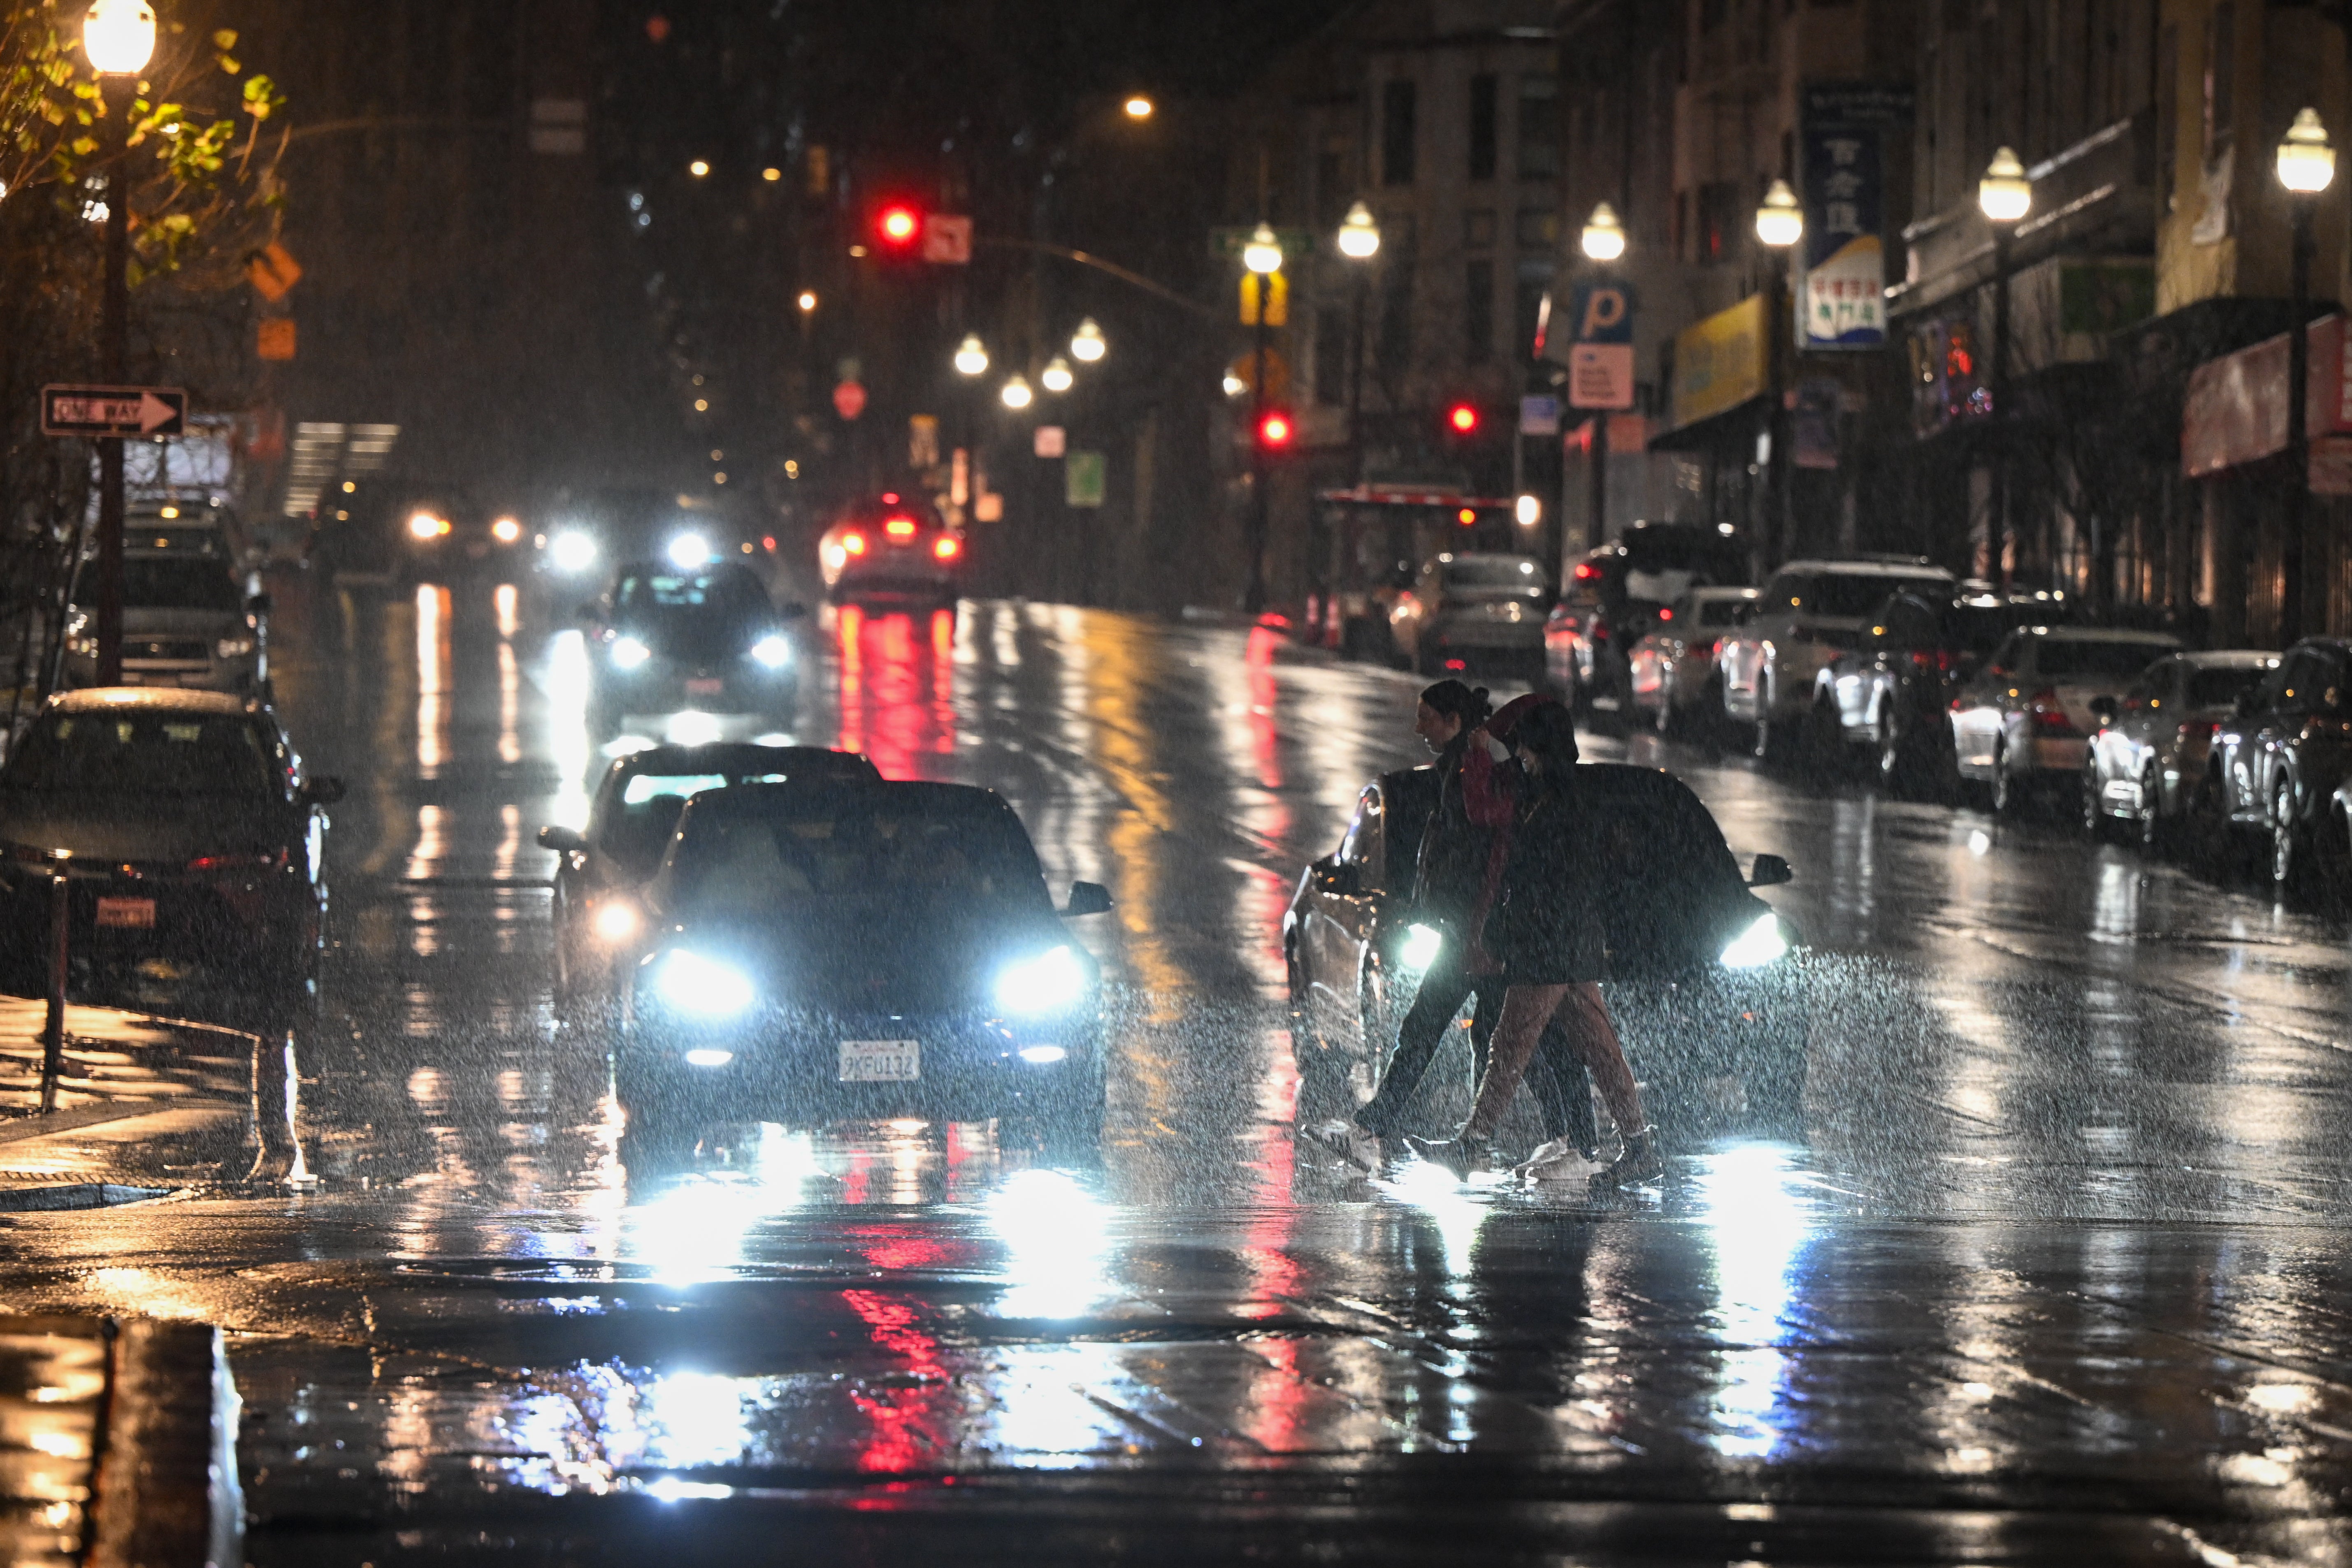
column 1545, row 933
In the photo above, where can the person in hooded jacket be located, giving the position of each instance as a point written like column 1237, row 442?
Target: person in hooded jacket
column 1455, row 876
column 1545, row 931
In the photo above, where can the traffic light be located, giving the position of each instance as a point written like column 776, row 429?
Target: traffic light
column 1276, row 430
column 1461, row 419
column 897, row 227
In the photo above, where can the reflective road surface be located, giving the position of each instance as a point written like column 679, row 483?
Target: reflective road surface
column 2059, row 1271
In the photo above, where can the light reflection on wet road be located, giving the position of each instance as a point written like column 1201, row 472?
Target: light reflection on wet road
column 2058, row 1272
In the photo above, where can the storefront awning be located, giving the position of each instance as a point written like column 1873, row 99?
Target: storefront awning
column 2236, row 409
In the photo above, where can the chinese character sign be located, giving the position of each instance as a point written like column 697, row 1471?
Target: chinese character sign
column 1842, row 304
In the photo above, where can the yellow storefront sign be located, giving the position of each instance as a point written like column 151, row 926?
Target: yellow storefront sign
column 1721, row 363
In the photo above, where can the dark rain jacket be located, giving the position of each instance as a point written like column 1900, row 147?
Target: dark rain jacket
column 1451, row 874
column 1545, row 928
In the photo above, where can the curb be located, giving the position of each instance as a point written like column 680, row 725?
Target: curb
column 74, row 1196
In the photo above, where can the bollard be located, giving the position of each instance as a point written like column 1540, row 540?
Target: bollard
column 53, row 1029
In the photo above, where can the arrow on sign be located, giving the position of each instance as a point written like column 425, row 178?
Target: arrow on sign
column 112, row 410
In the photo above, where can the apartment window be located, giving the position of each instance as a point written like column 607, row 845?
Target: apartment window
column 1482, row 126
column 1397, row 133
column 1478, row 310
column 1538, row 228
column 1538, row 127
column 1330, row 357
column 1477, row 228
column 1534, row 281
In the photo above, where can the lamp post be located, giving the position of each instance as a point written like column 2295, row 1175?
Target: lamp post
column 1359, row 241
column 1602, row 242
column 1263, row 256
column 2306, row 166
column 971, row 363
column 1780, row 223
column 2004, row 195
column 118, row 36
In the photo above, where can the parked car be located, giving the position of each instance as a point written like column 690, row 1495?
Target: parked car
column 858, row 950
column 666, row 639
column 1472, row 611
column 187, row 617
column 1808, row 613
column 1613, row 600
column 600, row 870
column 1889, row 699
column 187, row 830
column 1704, row 978
column 1672, row 670
column 892, row 550
column 2022, row 726
column 2147, row 763
column 2277, row 766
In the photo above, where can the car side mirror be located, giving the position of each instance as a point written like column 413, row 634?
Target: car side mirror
column 1769, row 872
column 1341, row 878
column 1087, row 899
column 258, row 605
column 2103, row 709
column 562, row 840
column 324, row 790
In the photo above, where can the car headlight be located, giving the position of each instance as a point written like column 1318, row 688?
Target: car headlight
column 1758, row 945
column 1420, row 946
column 572, row 551
column 773, row 652
column 505, row 531
column 701, row 986
column 614, row 922
column 688, row 550
column 708, row 1059
column 233, row 647
column 628, row 653
column 1046, row 984
column 1043, row 1056
column 82, row 646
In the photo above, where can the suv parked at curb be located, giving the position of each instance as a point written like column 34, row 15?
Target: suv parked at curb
column 2277, row 766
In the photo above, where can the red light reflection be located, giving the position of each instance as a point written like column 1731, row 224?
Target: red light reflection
column 898, row 693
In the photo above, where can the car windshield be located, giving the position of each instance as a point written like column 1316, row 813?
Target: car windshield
column 637, row 829
column 1717, row 611
column 1835, row 593
column 178, row 582
column 727, row 592
column 2063, row 658
column 856, row 850
column 1493, row 572
column 132, row 752
column 2220, row 687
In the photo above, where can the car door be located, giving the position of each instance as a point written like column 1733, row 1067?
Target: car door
column 2238, row 744
column 2303, row 750
column 2120, row 750
column 1977, row 713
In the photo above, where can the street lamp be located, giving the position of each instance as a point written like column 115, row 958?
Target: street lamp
column 2004, row 195
column 1016, row 392
column 2306, row 165
column 1139, row 107
column 1359, row 234
column 1056, row 376
column 1087, row 344
column 1780, row 223
column 807, row 301
column 970, row 358
column 1359, row 241
column 1604, row 237
column 118, row 36
column 1263, row 256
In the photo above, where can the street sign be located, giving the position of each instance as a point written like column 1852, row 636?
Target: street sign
column 1538, row 414
column 849, row 400
column 112, row 410
column 1083, row 477
column 1601, row 313
column 946, row 240
column 1226, row 243
column 1277, row 299
column 272, row 271
column 1600, row 376
column 275, row 340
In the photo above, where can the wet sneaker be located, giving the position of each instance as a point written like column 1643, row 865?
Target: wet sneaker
column 1558, row 1161
column 1346, row 1140
column 1463, row 1156
column 1639, row 1166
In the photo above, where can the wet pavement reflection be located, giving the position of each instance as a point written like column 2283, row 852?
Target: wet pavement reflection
column 2057, row 1269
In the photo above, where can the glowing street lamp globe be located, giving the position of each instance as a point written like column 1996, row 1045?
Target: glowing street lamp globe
column 1780, row 222
column 1263, row 253
column 1604, row 237
column 119, row 36
column 970, row 358
column 1360, row 236
column 1017, row 394
column 1087, row 344
column 2005, row 194
column 1056, row 376
column 2306, row 163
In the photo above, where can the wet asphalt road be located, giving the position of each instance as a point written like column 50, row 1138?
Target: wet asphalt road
column 2059, row 1271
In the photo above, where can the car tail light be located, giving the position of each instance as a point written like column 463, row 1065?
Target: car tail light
column 1939, row 659
column 1457, row 664
column 947, row 547
column 1586, row 571
column 1666, row 615
column 899, row 529
column 1713, row 647
column 2044, row 711
column 854, row 543
column 204, row 865
column 767, row 541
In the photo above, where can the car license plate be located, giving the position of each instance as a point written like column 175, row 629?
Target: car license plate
column 704, row 686
column 881, row 1061
column 127, row 914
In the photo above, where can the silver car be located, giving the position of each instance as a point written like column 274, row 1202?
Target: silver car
column 1672, row 668
column 2147, row 760
column 187, row 621
column 2024, row 721
column 1468, row 611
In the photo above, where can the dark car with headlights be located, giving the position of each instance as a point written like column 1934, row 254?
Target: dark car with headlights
column 665, row 640
column 599, row 870
column 393, row 531
column 187, row 830
column 1704, row 978
column 859, row 951
column 187, row 618
column 579, row 537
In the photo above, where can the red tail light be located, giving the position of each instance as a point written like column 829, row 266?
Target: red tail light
column 854, row 543
column 1666, row 615
column 1938, row 659
column 2047, row 717
column 1714, row 648
column 1586, row 571
column 210, row 863
column 947, row 547
column 899, row 529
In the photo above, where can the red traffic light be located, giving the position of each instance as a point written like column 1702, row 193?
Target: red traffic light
column 1274, row 429
column 1463, row 418
column 899, row 225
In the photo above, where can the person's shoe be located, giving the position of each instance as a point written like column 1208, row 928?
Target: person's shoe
column 1638, row 1166
column 1558, row 1161
column 1346, row 1140
column 1461, row 1156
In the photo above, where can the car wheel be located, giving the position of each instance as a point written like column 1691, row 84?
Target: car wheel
column 2211, row 836
column 2095, row 825
column 2008, row 791
column 1663, row 721
column 2289, row 858
column 1823, row 740
column 2154, row 832
column 1375, row 1022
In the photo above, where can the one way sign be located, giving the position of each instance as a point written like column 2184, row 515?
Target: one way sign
column 112, row 410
